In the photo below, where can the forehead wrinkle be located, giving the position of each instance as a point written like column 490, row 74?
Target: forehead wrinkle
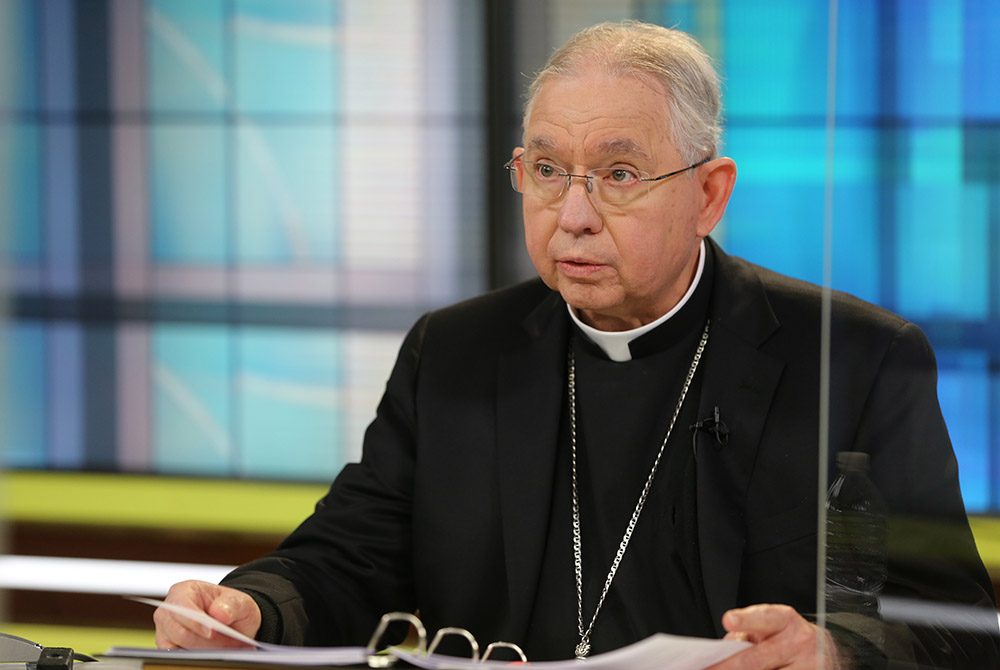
column 621, row 146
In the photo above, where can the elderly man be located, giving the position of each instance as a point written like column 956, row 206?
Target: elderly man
column 532, row 473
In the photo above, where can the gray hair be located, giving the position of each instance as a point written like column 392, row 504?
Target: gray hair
column 671, row 57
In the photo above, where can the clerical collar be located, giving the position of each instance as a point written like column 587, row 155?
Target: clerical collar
column 616, row 344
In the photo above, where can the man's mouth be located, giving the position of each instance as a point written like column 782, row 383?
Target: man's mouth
column 578, row 267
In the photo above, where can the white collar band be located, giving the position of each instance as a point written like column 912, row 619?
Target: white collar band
column 615, row 343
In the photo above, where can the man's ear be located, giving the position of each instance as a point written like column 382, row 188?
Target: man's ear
column 718, row 176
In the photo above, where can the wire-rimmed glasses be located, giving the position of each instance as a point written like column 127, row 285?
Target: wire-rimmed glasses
column 616, row 185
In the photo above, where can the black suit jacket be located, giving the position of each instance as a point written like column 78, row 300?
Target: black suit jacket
column 449, row 508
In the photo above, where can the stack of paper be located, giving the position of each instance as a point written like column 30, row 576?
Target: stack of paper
column 657, row 652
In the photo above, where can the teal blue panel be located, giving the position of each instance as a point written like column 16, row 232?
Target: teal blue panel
column 963, row 390
column 929, row 55
column 289, row 385
column 981, row 61
column 775, row 216
column 775, row 60
column 941, row 225
column 287, row 56
column 188, row 192
column 20, row 191
column 287, row 194
column 186, row 49
column 857, row 189
column 858, row 85
column 23, row 365
column 192, row 404
column 856, row 254
column 18, row 56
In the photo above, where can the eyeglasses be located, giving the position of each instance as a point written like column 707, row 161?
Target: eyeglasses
column 616, row 185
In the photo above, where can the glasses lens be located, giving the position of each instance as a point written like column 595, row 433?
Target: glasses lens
column 514, row 169
column 619, row 185
column 541, row 180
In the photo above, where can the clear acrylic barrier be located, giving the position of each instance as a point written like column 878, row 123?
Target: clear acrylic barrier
column 910, row 223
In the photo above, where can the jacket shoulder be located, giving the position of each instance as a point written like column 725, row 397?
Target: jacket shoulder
column 794, row 299
column 498, row 313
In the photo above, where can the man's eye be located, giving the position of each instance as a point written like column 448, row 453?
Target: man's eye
column 546, row 171
column 622, row 176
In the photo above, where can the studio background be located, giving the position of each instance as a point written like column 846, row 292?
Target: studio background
column 220, row 217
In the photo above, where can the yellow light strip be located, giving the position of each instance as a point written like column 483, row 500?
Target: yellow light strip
column 986, row 530
column 156, row 502
column 213, row 504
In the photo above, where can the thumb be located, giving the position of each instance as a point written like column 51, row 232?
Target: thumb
column 758, row 621
column 229, row 608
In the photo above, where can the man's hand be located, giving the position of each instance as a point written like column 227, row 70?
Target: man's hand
column 781, row 639
column 233, row 608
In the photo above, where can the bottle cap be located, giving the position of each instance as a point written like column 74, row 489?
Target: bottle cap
column 852, row 460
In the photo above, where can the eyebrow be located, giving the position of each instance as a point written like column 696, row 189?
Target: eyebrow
column 542, row 144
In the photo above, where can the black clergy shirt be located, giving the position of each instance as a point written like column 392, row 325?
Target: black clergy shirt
column 623, row 412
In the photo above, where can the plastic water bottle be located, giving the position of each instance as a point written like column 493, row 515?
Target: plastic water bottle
column 857, row 535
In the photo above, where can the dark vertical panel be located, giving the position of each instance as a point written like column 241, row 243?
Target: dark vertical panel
column 993, row 277
column 889, row 159
column 501, row 212
column 994, row 360
column 981, row 167
column 93, row 74
column 99, row 397
column 95, row 210
column 475, row 240
column 94, row 156
column 518, row 44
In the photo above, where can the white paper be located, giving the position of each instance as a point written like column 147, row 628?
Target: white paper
column 270, row 656
column 657, row 652
column 263, row 653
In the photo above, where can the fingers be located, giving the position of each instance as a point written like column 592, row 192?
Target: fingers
column 173, row 631
column 759, row 622
column 231, row 607
column 781, row 639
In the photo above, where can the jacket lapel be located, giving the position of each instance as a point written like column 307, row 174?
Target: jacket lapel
column 530, row 385
column 740, row 380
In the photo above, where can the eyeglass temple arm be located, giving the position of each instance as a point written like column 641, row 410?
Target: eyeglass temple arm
column 676, row 172
column 510, row 164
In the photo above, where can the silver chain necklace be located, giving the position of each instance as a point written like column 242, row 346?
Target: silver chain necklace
column 583, row 648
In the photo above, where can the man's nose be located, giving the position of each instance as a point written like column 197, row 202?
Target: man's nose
column 577, row 213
